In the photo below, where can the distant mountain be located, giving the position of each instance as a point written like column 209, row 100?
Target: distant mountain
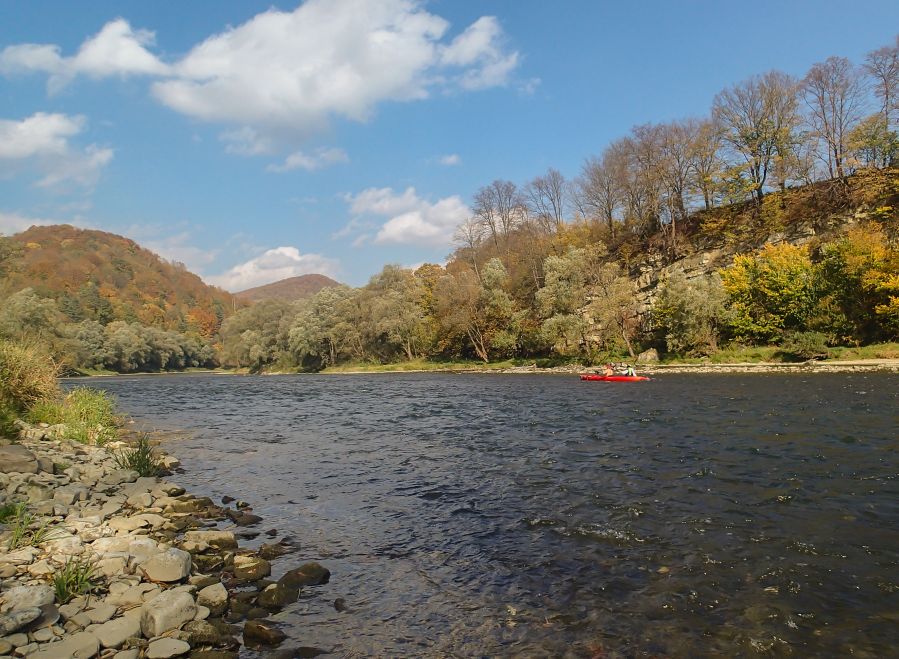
column 294, row 288
column 102, row 276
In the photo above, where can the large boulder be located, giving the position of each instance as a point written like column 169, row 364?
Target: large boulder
column 28, row 597
column 13, row 622
column 171, row 565
column 650, row 356
column 17, row 459
column 165, row 612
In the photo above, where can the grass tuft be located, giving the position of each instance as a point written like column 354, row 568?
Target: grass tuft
column 23, row 532
column 88, row 414
column 139, row 457
column 75, row 578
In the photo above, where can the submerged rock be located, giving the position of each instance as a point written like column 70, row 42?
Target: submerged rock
column 308, row 574
column 278, row 596
column 251, row 568
column 262, row 632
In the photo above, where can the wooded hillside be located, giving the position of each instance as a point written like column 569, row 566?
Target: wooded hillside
column 287, row 290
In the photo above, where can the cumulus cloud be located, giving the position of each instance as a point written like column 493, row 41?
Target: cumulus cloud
column 310, row 162
column 274, row 265
column 283, row 75
column 42, row 141
column 117, row 50
column 411, row 220
column 450, row 160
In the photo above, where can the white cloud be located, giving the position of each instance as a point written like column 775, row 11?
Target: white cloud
column 321, row 158
column 41, row 141
column 274, row 265
column 411, row 219
column 283, row 75
column 117, row 50
column 450, row 160
column 247, row 141
column 11, row 223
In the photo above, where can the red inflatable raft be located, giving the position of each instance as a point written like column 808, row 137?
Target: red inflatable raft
column 613, row 378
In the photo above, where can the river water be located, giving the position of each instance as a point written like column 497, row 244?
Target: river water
column 501, row 515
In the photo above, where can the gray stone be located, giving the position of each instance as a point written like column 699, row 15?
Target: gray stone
column 69, row 545
column 114, row 633
column 164, row 648
column 28, row 597
column 127, row 654
column 5, row 647
column 127, row 523
column 214, row 597
column 141, row 500
column 16, row 458
column 308, row 574
column 278, row 595
column 82, row 645
column 20, row 557
column 69, row 494
column 168, row 610
column 43, row 635
column 650, row 356
column 101, row 613
column 17, row 640
column 37, row 493
column 171, row 565
column 15, row 620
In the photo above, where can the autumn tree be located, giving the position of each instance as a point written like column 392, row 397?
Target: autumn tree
column 882, row 65
column 834, row 94
column 770, row 292
column 600, row 187
column 690, row 314
column 754, row 116
column 546, row 198
column 499, row 207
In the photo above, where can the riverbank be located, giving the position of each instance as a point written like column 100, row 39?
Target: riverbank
column 98, row 560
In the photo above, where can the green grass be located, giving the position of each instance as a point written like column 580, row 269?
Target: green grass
column 7, row 512
column 755, row 354
column 24, row 532
column 873, row 351
column 88, row 414
column 427, row 365
column 75, row 578
column 139, row 457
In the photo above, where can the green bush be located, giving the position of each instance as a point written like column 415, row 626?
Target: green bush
column 27, row 375
column 805, row 345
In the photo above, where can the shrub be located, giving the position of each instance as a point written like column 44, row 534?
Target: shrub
column 140, row 458
column 27, row 375
column 75, row 578
column 805, row 345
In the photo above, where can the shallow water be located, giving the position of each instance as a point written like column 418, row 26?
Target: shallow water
column 470, row 515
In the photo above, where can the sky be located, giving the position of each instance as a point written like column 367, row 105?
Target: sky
column 254, row 141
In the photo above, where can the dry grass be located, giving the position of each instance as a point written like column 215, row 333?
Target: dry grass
column 27, row 375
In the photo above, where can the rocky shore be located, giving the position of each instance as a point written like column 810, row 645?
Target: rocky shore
column 163, row 571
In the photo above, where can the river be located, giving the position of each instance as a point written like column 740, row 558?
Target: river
column 503, row 515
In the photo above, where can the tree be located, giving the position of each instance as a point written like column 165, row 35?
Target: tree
column 705, row 160
column 691, row 314
column 599, row 187
column 397, row 315
column 613, row 307
column 26, row 315
column 883, row 67
column 546, row 199
column 872, row 143
column 771, row 292
column 834, row 94
column 498, row 207
column 561, row 300
column 755, row 116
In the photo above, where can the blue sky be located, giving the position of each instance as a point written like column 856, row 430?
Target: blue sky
column 255, row 141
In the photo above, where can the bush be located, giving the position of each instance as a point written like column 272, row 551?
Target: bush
column 27, row 375
column 805, row 345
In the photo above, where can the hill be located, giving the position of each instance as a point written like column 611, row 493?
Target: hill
column 104, row 276
column 288, row 290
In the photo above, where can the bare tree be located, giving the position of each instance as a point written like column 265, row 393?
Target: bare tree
column 705, row 160
column 753, row 114
column 468, row 236
column 883, row 67
column 676, row 166
column 499, row 208
column 547, row 199
column 834, row 93
column 600, row 187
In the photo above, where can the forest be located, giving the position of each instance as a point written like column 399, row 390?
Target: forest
column 551, row 268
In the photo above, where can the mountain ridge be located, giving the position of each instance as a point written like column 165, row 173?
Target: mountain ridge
column 290, row 289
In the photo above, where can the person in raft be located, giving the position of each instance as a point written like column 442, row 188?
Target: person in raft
column 607, row 370
column 630, row 371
